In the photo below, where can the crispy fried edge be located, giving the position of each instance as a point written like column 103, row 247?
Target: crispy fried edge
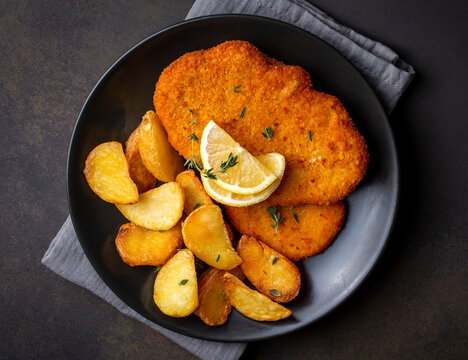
column 230, row 282
column 260, row 280
column 127, row 230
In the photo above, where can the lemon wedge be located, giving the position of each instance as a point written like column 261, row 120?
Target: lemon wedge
column 248, row 176
column 273, row 161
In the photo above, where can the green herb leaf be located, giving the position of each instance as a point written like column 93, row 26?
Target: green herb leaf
column 223, row 167
column 275, row 216
column 268, row 133
column 274, row 292
column 217, row 259
column 310, row 135
column 275, row 259
column 242, row 112
column 197, row 205
column 190, row 165
column 229, row 163
column 185, row 281
column 193, row 163
column 271, row 210
column 192, row 119
column 158, row 268
column 161, row 231
column 193, row 137
column 209, row 174
column 222, row 293
column 235, row 89
column 294, row 215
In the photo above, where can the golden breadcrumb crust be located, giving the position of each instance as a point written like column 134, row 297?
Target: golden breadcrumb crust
column 316, row 230
column 319, row 171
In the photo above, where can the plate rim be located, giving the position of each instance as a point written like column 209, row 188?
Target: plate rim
column 393, row 208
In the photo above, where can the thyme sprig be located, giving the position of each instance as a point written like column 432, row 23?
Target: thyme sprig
column 275, row 216
column 229, row 163
column 209, row 174
column 194, row 162
column 223, row 167
column 268, row 133
column 193, row 137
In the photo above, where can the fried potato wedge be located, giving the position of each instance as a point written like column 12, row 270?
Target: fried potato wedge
column 139, row 246
column 205, row 233
column 272, row 273
column 175, row 287
column 214, row 307
column 251, row 303
column 106, row 171
column 158, row 156
column 138, row 172
column 195, row 194
column 158, row 209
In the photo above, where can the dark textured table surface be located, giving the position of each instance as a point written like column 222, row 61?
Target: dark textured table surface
column 414, row 304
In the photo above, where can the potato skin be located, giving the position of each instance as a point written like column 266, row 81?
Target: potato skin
column 107, row 174
column 194, row 191
column 138, row 172
column 251, row 303
column 158, row 156
column 214, row 307
column 267, row 269
column 176, row 287
column 139, row 246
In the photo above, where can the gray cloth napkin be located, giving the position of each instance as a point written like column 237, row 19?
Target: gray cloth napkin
column 386, row 73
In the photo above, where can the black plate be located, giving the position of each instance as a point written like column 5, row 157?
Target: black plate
column 115, row 107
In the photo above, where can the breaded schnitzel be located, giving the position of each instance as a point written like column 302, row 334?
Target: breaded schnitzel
column 245, row 92
column 315, row 230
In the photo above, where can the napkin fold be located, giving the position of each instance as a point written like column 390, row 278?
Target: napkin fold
column 387, row 74
column 66, row 257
